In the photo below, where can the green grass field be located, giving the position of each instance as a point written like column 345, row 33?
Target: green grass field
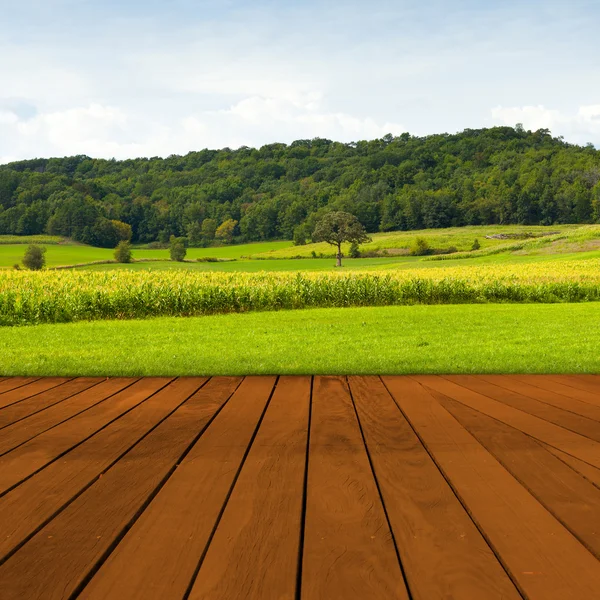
column 71, row 254
column 578, row 242
column 471, row 338
column 461, row 238
column 560, row 338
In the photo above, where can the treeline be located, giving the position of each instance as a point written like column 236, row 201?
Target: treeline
column 501, row 175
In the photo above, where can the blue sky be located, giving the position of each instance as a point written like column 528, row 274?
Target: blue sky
column 131, row 78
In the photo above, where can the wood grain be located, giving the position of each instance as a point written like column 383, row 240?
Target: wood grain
column 45, row 400
column 254, row 552
column 159, row 555
column 550, row 392
column 576, row 422
column 60, row 556
column 443, row 553
column 592, row 474
column 567, row 495
column 25, row 460
column 22, row 431
column 544, row 559
column 31, row 389
column 30, row 505
column 11, row 383
column 554, row 435
column 348, row 552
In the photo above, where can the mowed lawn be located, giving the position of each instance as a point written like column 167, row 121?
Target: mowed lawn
column 557, row 338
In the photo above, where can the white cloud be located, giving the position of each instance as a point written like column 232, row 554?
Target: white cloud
column 106, row 131
column 580, row 127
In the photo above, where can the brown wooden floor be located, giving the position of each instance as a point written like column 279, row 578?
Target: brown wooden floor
column 466, row 487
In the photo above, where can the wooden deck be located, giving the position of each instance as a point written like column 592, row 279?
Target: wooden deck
column 462, row 487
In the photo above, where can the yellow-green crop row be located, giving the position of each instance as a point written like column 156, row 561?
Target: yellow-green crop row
column 65, row 296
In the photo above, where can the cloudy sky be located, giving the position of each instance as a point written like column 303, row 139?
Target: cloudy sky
column 126, row 78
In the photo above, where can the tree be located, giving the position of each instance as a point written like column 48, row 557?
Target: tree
column 420, row 247
column 123, row 252
column 476, row 245
column 338, row 227
column 106, row 233
column 34, row 258
column 177, row 249
column 194, row 234
column 209, row 228
column 225, row 230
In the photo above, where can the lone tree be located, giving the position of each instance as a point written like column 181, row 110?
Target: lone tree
column 34, row 258
column 338, row 227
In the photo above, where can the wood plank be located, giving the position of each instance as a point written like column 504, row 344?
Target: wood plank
column 34, row 455
column 443, row 553
column 588, row 383
column 544, row 559
column 45, row 400
column 22, row 431
column 563, row 386
column 57, row 560
column 517, row 383
column 567, row 441
column 29, row 506
column 572, row 499
column 11, row 383
column 568, row 420
column 151, row 562
column 348, row 550
column 254, row 552
column 31, row 389
column 592, row 474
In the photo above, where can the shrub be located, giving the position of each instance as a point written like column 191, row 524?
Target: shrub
column 123, row 252
column 177, row 249
column 34, row 258
column 420, row 247
column 354, row 250
column 299, row 237
column 157, row 246
column 313, row 254
column 476, row 245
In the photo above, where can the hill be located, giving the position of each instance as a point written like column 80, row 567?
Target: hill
column 500, row 175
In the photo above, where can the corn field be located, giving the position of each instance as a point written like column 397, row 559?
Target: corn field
column 66, row 296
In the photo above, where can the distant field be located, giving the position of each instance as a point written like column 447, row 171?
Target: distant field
column 572, row 240
column 70, row 254
column 493, row 338
column 461, row 238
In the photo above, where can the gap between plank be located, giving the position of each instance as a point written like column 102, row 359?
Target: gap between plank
column 455, row 492
column 95, row 479
column 117, row 540
column 304, row 497
column 12, row 487
column 220, row 515
column 385, row 512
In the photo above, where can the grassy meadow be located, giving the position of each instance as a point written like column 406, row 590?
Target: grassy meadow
column 489, row 338
column 522, row 303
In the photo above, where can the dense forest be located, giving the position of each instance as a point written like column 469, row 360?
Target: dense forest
column 500, row 175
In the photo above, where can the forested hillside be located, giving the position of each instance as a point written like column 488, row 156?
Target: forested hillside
column 489, row 176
